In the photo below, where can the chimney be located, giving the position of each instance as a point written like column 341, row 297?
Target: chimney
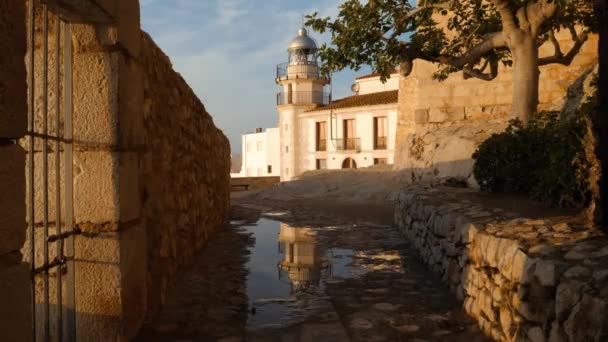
column 259, row 130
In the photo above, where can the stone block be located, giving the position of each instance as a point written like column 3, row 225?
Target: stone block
column 438, row 115
column 15, row 296
column 421, row 116
column 131, row 103
column 95, row 91
column 106, row 187
column 545, row 272
column 590, row 313
column 110, row 284
column 128, row 184
column 12, row 198
column 456, row 113
column 567, row 295
column 134, row 268
column 13, row 88
column 96, row 187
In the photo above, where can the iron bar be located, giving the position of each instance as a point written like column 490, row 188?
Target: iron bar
column 32, row 43
column 48, row 137
column 64, row 236
column 59, row 247
column 47, row 267
column 70, row 321
column 45, row 164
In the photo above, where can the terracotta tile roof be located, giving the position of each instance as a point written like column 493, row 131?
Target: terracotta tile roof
column 385, row 97
column 374, row 75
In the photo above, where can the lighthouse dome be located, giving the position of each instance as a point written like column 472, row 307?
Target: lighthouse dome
column 302, row 42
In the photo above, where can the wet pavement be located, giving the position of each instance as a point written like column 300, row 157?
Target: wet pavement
column 302, row 277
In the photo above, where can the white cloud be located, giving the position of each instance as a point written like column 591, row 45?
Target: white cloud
column 227, row 50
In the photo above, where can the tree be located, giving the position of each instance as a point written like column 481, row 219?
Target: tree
column 479, row 35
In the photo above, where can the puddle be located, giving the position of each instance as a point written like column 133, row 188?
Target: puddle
column 288, row 264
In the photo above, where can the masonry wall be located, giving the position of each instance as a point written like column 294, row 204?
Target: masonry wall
column 184, row 172
column 521, row 279
column 151, row 174
column 441, row 124
column 15, row 281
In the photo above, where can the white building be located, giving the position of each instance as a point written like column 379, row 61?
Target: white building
column 356, row 131
column 260, row 154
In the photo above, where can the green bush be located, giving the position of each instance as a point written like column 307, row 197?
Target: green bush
column 545, row 160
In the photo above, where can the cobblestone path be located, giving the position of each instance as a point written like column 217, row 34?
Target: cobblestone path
column 309, row 278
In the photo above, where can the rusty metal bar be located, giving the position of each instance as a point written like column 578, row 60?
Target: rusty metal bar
column 31, row 100
column 64, row 236
column 70, row 321
column 45, row 165
column 59, row 247
column 48, row 137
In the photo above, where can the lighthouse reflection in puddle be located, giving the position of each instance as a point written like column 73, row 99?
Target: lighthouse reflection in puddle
column 304, row 260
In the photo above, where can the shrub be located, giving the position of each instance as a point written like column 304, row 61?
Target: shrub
column 545, row 160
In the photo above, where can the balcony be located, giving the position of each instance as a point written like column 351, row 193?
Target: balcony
column 303, row 70
column 380, row 143
column 303, row 98
column 348, row 144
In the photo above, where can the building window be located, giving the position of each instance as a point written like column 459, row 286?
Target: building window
column 287, row 171
column 286, row 149
column 380, row 161
column 269, row 169
column 286, row 127
column 260, row 146
column 350, row 142
column 380, row 130
column 321, row 136
column 321, row 164
column 260, row 172
column 249, row 147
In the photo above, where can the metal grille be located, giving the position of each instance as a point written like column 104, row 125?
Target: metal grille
column 49, row 138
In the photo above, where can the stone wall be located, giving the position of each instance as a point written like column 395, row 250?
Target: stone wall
column 441, row 124
column 184, row 172
column 150, row 174
column 522, row 279
column 15, row 280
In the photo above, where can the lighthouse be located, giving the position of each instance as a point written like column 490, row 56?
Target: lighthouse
column 302, row 88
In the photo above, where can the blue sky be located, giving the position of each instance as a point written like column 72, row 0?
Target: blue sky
column 227, row 50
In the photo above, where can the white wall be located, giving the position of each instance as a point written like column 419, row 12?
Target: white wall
column 364, row 126
column 259, row 151
column 374, row 85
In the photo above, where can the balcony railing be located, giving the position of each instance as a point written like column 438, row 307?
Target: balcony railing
column 380, row 143
column 348, row 144
column 303, row 98
column 300, row 70
column 321, row 145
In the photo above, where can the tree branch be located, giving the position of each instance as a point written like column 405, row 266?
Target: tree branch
column 559, row 58
column 490, row 42
column 539, row 12
column 506, row 16
column 448, row 4
column 479, row 73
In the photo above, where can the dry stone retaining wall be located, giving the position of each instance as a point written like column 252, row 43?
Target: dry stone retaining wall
column 522, row 279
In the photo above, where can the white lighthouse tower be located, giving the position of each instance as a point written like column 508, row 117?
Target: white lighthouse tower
column 302, row 89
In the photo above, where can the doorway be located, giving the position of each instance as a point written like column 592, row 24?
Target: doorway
column 349, row 163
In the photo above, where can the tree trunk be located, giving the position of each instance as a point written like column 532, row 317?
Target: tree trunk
column 525, row 75
column 600, row 121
